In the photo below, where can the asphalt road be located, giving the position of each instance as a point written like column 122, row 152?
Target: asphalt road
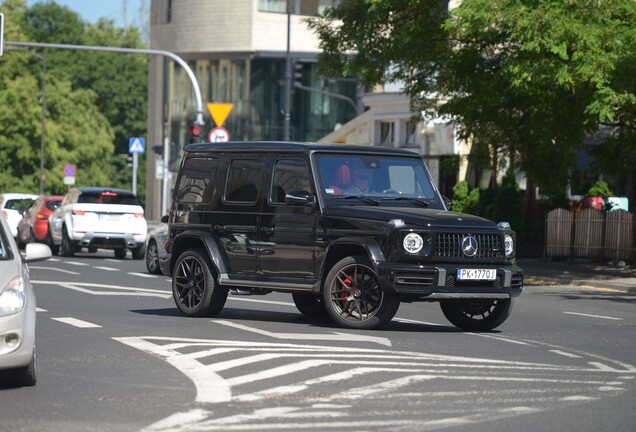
column 114, row 354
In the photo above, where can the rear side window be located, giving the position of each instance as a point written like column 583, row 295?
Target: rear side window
column 243, row 180
column 52, row 205
column 107, row 197
column 289, row 175
column 19, row 204
column 197, row 184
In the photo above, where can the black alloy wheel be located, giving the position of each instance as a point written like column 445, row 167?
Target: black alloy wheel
column 353, row 297
column 152, row 258
column 477, row 314
column 194, row 288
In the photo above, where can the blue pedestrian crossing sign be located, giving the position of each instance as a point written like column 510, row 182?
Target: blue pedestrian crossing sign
column 136, row 145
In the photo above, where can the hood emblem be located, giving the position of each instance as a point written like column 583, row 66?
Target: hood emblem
column 469, row 246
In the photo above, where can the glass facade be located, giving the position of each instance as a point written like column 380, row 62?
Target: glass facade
column 256, row 88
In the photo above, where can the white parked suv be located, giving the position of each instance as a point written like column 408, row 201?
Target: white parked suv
column 93, row 217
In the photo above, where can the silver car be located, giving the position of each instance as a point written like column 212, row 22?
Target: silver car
column 17, row 307
column 156, row 246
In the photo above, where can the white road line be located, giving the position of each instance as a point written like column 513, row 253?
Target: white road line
column 76, row 263
column 37, row 309
column 54, row 269
column 594, row 316
column 565, row 354
column 333, row 336
column 146, row 275
column 280, row 303
column 99, row 289
column 76, row 322
column 106, row 268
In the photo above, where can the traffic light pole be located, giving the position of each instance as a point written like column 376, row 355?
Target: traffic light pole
column 176, row 58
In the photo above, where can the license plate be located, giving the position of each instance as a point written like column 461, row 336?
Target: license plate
column 476, row 274
column 110, row 217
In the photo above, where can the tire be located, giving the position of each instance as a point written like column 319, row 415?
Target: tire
column 68, row 246
column 26, row 376
column 19, row 242
column 311, row 305
column 353, row 297
column 139, row 252
column 49, row 241
column 152, row 258
column 478, row 314
column 92, row 249
column 120, row 253
column 194, row 287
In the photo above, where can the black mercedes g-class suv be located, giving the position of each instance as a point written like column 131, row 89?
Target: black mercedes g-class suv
column 349, row 231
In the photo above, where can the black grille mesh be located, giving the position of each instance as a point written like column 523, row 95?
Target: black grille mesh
column 449, row 245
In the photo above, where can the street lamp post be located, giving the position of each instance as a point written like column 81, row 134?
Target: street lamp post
column 43, row 129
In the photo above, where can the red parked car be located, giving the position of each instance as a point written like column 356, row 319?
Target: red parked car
column 34, row 226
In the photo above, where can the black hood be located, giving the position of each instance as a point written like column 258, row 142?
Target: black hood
column 426, row 218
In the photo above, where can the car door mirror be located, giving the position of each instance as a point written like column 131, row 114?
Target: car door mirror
column 299, row 197
column 447, row 202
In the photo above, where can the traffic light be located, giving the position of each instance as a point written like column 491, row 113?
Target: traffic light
column 158, row 149
column 195, row 133
column 298, row 74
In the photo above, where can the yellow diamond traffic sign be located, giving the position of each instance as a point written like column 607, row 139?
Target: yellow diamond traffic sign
column 219, row 112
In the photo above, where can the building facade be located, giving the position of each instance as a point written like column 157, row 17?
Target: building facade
column 239, row 53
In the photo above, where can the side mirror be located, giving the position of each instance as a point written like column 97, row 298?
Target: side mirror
column 299, row 197
column 36, row 252
column 164, row 219
column 447, row 202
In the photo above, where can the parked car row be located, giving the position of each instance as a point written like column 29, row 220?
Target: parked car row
column 88, row 218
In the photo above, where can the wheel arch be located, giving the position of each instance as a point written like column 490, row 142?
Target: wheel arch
column 196, row 238
column 350, row 246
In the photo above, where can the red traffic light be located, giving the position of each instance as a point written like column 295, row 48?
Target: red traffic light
column 195, row 131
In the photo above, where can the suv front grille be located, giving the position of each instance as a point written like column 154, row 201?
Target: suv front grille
column 449, row 245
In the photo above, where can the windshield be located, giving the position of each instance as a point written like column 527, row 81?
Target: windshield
column 381, row 178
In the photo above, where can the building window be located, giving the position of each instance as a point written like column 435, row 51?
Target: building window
column 298, row 7
column 411, row 134
column 169, row 11
column 272, row 6
column 387, row 134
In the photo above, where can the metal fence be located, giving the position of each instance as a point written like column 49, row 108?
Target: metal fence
column 590, row 233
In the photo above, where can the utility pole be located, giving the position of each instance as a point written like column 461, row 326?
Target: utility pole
column 287, row 120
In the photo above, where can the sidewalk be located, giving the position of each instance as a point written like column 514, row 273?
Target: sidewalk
column 580, row 272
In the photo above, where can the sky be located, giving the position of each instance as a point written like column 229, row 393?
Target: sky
column 93, row 10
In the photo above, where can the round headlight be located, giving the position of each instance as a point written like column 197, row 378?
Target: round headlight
column 509, row 245
column 412, row 243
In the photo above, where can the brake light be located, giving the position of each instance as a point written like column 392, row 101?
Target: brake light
column 139, row 215
column 4, row 213
column 40, row 216
column 109, row 194
column 79, row 212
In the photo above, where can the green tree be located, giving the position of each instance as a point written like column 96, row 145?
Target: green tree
column 95, row 101
column 529, row 78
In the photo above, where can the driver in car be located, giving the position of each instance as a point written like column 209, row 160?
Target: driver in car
column 360, row 181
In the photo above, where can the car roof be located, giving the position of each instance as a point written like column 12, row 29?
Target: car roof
column 274, row 146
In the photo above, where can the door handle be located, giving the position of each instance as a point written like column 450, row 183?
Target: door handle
column 220, row 227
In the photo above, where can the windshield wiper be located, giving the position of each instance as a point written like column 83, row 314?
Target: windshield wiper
column 360, row 197
column 404, row 198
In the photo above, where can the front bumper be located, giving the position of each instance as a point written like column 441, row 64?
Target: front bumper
column 17, row 337
column 439, row 282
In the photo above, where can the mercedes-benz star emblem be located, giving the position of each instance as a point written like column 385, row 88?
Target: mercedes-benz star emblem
column 469, row 246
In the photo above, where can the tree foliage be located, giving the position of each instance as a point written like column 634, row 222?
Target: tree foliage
column 95, row 101
column 528, row 78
